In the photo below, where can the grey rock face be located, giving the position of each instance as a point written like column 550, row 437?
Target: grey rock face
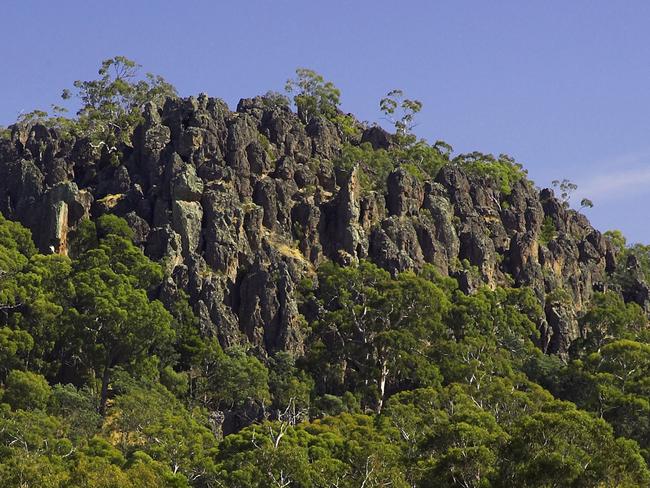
column 186, row 185
column 186, row 219
column 241, row 206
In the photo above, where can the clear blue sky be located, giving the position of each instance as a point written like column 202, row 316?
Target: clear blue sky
column 563, row 86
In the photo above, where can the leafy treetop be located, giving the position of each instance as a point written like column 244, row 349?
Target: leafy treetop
column 313, row 95
column 111, row 106
column 401, row 112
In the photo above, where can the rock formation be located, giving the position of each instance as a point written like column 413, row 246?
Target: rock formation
column 240, row 206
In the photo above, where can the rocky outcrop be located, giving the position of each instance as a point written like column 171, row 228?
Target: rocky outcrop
column 635, row 289
column 241, row 206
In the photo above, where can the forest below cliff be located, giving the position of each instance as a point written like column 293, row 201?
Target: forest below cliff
column 284, row 296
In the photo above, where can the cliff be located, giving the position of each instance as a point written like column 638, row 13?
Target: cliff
column 242, row 206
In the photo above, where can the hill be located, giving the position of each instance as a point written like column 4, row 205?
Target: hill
column 269, row 297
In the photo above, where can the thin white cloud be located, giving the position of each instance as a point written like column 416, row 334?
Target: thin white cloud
column 614, row 178
column 616, row 183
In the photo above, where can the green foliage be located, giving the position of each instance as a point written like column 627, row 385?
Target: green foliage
column 274, row 100
column 14, row 240
column 401, row 112
column 346, row 451
column 559, row 296
column 111, row 315
column 290, row 388
column 313, row 95
column 76, row 407
column 56, row 119
column 148, row 419
column 493, row 331
column 419, row 159
column 26, row 390
column 641, row 255
column 189, row 345
column 619, row 373
column 502, row 170
column 586, row 203
column 83, row 238
column 240, row 379
column 449, row 439
column 231, row 380
column 94, row 313
column 267, row 146
column 111, row 106
column 632, row 263
column 609, row 318
column 548, row 232
column 111, row 224
column 611, row 383
column 14, row 347
column 562, row 446
column 404, row 381
column 374, row 333
column 565, row 189
column 617, row 239
column 32, row 470
column 328, row 405
column 348, row 125
column 36, row 452
column 374, row 165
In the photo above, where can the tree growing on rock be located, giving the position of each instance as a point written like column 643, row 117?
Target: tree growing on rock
column 416, row 156
column 566, row 189
column 401, row 112
column 111, row 106
column 313, row 95
column 586, row 203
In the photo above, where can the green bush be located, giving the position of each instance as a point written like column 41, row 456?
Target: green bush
column 420, row 159
column 548, row 231
column 504, row 170
column 348, row 125
column 374, row 165
column 112, row 224
column 313, row 95
column 25, row 390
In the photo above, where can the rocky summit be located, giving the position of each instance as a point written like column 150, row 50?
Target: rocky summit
column 241, row 206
